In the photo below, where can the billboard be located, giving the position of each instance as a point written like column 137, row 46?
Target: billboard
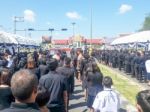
column 46, row 39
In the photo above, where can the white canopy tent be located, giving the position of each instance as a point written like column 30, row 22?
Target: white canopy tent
column 22, row 40
column 8, row 38
column 140, row 37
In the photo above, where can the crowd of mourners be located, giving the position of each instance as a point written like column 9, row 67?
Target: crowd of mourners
column 131, row 62
column 36, row 82
column 43, row 82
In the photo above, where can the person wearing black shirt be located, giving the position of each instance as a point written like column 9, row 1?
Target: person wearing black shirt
column 31, row 66
column 24, row 89
column 120, row 59
column 68, row 72
column 133, row 58
column 6, row 96
column 43, row 67
column 56, row 86
column 136, row 66
column 42, row 99
column 94, row 80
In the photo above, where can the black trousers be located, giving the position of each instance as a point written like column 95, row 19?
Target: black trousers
column 57, row 109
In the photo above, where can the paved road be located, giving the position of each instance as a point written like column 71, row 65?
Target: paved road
column 77, row 102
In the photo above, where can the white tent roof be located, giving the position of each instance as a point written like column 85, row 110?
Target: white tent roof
column 137, row 37
column 21, row 40
column 9, row 38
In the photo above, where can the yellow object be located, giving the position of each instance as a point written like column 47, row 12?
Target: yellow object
column 90, row 51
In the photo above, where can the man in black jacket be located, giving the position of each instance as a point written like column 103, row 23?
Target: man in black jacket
column 68, row 72
column 56, row 86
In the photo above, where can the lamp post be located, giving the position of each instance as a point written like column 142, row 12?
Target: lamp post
column 73, row 29
column 73, row 24
column 91, row 27
column 51, row 30
column 17, row 19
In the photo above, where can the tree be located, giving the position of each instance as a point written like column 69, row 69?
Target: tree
column 146, row 24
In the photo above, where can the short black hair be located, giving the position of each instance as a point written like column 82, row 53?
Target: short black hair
column 23, row 83
column 95, row 67
column 67, row 61
column 42, row 97
column 107, row 82
column 5, row 76
column 143, row 99
column 52, row 64
column 42, row 61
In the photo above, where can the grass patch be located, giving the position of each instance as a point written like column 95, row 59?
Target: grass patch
column 127, row 88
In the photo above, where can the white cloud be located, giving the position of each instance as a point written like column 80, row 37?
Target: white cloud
column 125, row 8
column 29, row 15
column 73, row 15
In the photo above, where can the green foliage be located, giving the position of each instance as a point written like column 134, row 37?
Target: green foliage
column 146, row 24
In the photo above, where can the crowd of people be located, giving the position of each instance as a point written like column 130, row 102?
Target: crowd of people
column 35, row 81
column 131, row 62
column 43, row 82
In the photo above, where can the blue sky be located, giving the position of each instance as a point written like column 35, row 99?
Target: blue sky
column 110, row 17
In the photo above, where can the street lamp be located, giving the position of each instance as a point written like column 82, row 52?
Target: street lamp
column 91, row 27
column 73, row 24
column 73, row 29
column 64, row 29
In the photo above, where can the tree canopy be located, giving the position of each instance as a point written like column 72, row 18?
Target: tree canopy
column 146, row 24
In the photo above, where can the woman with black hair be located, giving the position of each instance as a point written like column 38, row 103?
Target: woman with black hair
column 31, row 65
column 94, row 80
column 6, row 96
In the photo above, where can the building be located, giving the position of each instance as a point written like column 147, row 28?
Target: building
column 77, row 41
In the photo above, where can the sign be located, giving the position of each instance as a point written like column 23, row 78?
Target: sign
column 46, row 39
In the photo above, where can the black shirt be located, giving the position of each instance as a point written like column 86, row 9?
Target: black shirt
column 68, row 72
column 22, row 107
column 94, row 83
column 36, row 72
column 43, row 70
column 6, row 97
column 56, row 85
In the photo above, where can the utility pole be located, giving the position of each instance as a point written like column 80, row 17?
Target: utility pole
column 91, row 27
column 17, row 19
column 51, row 30
column 73, row 27
column 15, row 25
column 73, row 24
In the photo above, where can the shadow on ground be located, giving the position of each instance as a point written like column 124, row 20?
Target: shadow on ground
column 78, row 105
column 76, row 97
column 78, row 91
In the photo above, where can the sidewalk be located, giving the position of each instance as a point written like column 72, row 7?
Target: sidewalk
column 77, row 101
